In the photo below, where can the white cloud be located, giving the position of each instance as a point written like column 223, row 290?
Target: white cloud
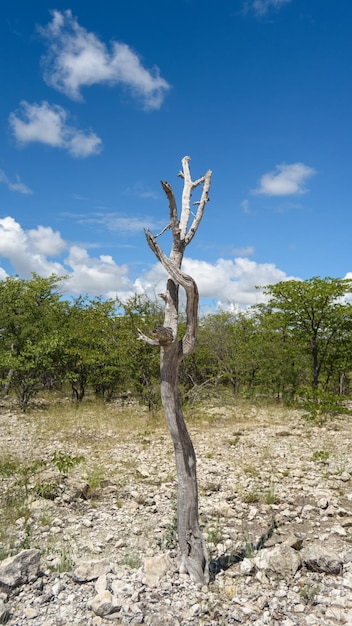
column 76, row 58
column 262, row 7
column 45, row 241
column 46, row 123
column 227, row 282
column 233, row 280
column 22, row 250
column 33, row 250
column 285, row 180
column 97, row 276
column 17, row 186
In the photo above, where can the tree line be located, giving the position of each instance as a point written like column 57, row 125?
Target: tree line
column 298, row 345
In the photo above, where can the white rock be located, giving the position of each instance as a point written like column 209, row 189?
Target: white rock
column 281, row 560
column 90, row 570
column 155, row 568
column 103, row 604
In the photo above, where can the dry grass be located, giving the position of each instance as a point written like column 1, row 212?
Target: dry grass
column 113, row 439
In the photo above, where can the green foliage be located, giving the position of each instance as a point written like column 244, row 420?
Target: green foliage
column 64, row 461
column 31, row 314
column 308, row 593
column 322, row 404
column 133, row 561
column 320, row 455
column 314, row 314
column 297, row 348
column 49, row 491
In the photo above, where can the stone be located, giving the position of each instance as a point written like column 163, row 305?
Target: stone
column 124, row 528
column 155, row 568
column 281, row 560
column 101, row 584
column 143, row 471
column 30, row 612
column 247, row 567
column 318, row 558
column 90, row 570
column 103, row 604
column 20, row 569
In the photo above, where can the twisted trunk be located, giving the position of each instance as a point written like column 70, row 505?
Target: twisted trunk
column 194, row 557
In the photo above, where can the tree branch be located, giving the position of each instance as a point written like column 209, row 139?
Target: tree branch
column 188, row 187
column 201, row 206
column 173, row 210
column 162, row 336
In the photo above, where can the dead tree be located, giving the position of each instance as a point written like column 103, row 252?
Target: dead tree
column 194, row 556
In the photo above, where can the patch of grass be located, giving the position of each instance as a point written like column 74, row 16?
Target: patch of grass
column 215, row 535
column 95, row 477
column 320, row 455
column 251, row 496
column 46, row 518
column 25, row 543
column 266, row 454
column 308, row 593
column 133, row 561
column 234, row 441
column 8, row 467
column 270, row 497
column 64, row 562
column 251, row 470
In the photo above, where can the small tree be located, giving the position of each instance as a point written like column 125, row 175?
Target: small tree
column 194, row 557
column 315, row 311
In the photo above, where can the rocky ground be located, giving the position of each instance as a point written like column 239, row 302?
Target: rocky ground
column 92, row 540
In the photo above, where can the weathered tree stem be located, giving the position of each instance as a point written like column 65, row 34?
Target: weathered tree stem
column 194, row 556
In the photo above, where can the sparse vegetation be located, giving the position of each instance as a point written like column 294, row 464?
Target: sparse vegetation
column 65, row 461
column 320, row 455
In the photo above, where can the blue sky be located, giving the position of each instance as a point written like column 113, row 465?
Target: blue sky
column 101, row 100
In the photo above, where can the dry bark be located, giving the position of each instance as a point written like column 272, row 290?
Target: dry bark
column 194, row 557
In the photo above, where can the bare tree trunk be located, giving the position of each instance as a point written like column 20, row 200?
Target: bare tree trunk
column 194, row 557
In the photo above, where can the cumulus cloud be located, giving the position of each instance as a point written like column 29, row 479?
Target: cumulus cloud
column 46, row 123
column 262, row 7
column 45, row 241
column 25, row 251
column 14, row 186
column 34, row 250
column 225, row 282
column 97, row 276
column 285, row 180
column 77, row 58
